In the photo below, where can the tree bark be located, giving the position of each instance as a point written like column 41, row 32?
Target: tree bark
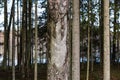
column 114, row 34
column 76, row 41
column 23, row 38
column 18, row 35
column 101, row 33
column 88, row 43
column 35, row 68
column 28, row 38
column 8, row 31
column 106, row 42
column 5, row 33
column 58, row 56
column 13, row 47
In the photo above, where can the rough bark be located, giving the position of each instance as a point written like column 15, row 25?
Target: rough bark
column 58, row 59
column 76, row 41
column 106, row 42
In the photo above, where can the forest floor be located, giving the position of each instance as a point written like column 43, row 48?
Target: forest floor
column 95, row 75
column 7, row 74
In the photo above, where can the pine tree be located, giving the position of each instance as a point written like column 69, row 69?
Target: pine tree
column 106, row 42
column 76, row 41
column 58, row 56
column 5, row 34
column 35, row 68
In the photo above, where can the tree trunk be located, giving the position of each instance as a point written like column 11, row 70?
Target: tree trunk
column 76, row 41
column 91, row 47
column 88, row 45
column 114, row 34
column 18, row 36
column 5, row 32
column 106, row 42
column 23, row 38
column 35, row 68
column 13, row 48
column 58, row 56
column 8, row 30
column 101, row 34
column 88, row 54
column 28, row 38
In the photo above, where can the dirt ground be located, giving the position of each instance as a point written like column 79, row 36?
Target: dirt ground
column 97, row 73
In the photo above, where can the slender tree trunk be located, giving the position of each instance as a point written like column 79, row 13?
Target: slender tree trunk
column 101, row 33
column 8, row 30
column 91, row 42
column 88, row 48
column 88, row 54
column 35, row 68
column 18, row 35
column 13, row 47
column 76, row 41
column 70, row 36
column 30, row 31
column 58, row 56
column 82, row 48
column 23, row 38
column 20, row 45
column 114, row 34
column 28, row 38
column 106, row 42
column 5, row 32
column 91, row 35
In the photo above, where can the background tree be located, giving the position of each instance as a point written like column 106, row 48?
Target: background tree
column 5, row 32
column 114, row 33
column 23, row 38
column 35, row 71
column 13, row 46
column 88, row 42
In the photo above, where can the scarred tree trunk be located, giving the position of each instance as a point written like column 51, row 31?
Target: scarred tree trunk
column 58, row 56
